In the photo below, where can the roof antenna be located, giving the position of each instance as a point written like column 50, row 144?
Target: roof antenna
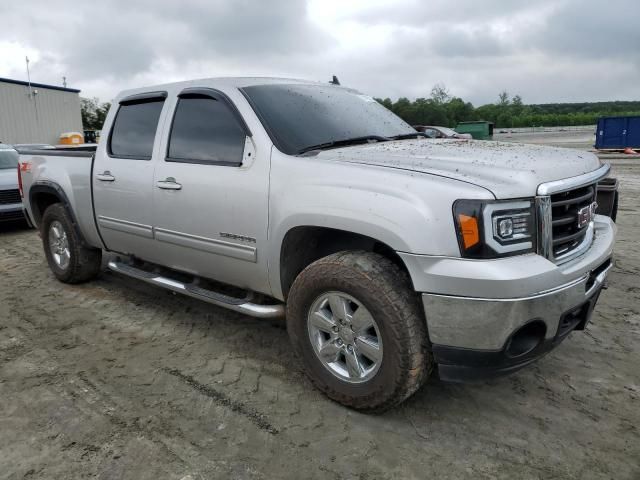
column 335, row 81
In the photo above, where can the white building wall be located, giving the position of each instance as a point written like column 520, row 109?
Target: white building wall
column 37, row 118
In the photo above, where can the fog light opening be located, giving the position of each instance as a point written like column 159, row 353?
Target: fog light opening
column 526, row 338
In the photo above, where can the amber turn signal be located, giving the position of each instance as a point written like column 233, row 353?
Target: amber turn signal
column 469, row 230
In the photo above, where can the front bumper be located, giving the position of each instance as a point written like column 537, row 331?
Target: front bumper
column 475, row 309
column 457, row 364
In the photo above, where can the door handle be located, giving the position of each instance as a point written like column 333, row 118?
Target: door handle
column 105, row 176
column 169, row 184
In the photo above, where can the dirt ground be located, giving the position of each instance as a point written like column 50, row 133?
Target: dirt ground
column 582, row 139
column 115, row 379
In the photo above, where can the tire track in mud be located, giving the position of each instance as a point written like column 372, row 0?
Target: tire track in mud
column 257, row 418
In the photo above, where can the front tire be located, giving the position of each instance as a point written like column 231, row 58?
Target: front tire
column 69, row 260
column 356, row 323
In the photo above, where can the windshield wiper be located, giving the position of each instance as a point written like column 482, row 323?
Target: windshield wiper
column 406, row 136
column 342, row 143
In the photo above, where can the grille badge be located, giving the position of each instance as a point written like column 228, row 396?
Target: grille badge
column 586, row 214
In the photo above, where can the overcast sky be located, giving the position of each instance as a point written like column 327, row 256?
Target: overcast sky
column 544, row 50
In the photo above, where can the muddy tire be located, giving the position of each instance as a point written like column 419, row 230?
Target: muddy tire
column 69, row 260
column 357, row 325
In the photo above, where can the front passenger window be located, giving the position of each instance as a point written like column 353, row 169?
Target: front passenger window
column 205, row 131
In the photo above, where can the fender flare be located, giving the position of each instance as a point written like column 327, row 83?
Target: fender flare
column 52, row 188
column 344, row 224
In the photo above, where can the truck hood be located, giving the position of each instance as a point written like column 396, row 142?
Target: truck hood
column 8, row 178
column 508, row 170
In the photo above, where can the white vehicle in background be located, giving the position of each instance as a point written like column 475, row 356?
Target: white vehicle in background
column 10, row 200
column 441, row 132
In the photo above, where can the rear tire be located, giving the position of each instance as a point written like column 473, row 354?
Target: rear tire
column 69, row 260
column 392, row 360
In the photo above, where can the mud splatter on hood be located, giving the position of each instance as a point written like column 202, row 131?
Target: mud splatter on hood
column 509, row 170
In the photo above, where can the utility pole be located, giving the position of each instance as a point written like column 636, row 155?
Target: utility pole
column 31, row 93
column 28, row 76
column 64, row 82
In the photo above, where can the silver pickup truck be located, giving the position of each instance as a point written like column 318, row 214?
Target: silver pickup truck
column 391, row 254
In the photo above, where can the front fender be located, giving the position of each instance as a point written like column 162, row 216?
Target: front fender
column 407, row 211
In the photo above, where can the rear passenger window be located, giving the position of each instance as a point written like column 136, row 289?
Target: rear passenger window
column 205, row 131
column 134, row 129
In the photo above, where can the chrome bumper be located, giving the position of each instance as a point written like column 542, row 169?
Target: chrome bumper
column 486, row 323
column 478, row 304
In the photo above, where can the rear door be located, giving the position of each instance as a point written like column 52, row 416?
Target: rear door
column 211, row 193
column 123, row 176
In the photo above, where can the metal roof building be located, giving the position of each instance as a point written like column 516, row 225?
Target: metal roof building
column 37, row 113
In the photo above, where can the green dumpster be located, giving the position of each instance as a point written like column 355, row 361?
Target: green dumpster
column 480, row 130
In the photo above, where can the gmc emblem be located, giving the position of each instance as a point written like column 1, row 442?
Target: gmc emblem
column 585, row 214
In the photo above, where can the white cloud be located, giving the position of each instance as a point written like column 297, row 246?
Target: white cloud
column 550, row 50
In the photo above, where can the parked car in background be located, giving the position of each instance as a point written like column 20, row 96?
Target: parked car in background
column 441, row 132
column 10, row 200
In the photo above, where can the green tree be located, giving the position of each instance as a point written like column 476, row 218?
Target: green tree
column 440, row 94
column 443, row 109
column 459, row 111
column 93, row 113
column 503, row 98
column 517, row 106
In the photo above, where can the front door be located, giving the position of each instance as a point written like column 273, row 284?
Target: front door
column 211, row 194
column 123, row 177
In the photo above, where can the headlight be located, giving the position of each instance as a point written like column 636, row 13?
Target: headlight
column 489, row 229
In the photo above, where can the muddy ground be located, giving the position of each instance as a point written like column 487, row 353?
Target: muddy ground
column 115, row 379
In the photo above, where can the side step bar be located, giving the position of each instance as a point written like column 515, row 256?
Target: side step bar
column 232, row 303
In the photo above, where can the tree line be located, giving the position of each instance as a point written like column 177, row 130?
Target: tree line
column 441, row 108
column 93, row 113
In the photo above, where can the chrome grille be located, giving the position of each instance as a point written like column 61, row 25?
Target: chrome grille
column 566, row 233
column 9, row 196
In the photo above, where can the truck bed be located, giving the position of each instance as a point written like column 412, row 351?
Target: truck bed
column 66, row 171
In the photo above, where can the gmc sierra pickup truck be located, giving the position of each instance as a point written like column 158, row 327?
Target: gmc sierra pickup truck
column 391, row 254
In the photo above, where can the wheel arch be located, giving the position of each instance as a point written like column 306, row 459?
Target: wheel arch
column 42, row 195
column 304, row 244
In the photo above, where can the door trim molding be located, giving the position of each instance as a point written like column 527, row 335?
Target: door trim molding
column 139, row 229
column 210, row 245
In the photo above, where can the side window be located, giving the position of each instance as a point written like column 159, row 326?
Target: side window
column 134, row 129
column 205, row 131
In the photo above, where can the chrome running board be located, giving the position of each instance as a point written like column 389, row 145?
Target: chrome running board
column 241, row 305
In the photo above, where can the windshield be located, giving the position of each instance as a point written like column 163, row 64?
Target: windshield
column 301, row 116
column 447, row 131
column 8, row 158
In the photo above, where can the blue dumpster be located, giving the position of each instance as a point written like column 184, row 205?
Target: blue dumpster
column 617, row 133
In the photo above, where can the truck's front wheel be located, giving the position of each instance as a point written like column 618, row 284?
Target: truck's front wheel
column 69, row 260
column 355, row 322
